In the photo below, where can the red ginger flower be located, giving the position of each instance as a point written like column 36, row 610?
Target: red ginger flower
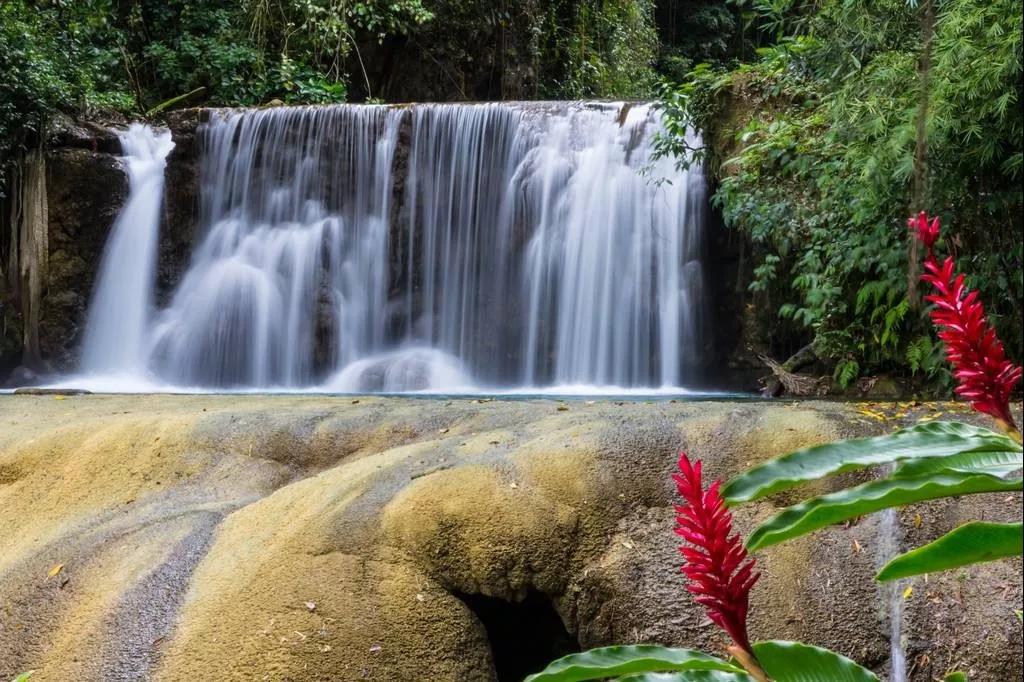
column 926, row 232
column 717, row 565
column 985, row 376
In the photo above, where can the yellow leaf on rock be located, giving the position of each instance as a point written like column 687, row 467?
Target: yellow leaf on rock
column 908, row 592
column 917, row 520
column 57, row 568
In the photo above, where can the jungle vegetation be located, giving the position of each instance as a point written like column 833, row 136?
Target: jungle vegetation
column 833, row 121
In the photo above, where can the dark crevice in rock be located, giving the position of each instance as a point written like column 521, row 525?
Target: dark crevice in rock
column 524, row 636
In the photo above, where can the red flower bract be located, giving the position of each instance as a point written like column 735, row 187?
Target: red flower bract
column 717, row 565
column 984, row 376
column 927, row 232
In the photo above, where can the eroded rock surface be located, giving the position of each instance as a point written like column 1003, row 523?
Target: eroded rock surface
column 319, row 538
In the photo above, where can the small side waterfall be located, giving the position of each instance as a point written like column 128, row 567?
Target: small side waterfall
column 433, row 247
column 119, row 316
column 892, row 593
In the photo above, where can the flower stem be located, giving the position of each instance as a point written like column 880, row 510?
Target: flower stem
column 749, row 663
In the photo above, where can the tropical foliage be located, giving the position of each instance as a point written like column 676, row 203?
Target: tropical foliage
column 928, row 461
column 720, row 575
column 842, row 116
column 90, row 56
column 934, row 460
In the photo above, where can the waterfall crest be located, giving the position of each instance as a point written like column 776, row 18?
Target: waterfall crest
column 119, row 316
column 362, row 248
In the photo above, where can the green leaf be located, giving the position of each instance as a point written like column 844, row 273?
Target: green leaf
column 955, row 677
column 691, row 676
column 796, row 662
column 24, row 676
column 934, row 439
column 818, row 512
column 995, row 463
column 971, row 543
column 614, row 661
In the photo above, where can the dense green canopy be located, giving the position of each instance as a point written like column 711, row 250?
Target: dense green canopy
column 840, row 119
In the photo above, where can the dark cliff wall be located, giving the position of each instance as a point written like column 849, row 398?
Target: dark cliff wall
column 180, row 223
column 86, row 189
column 86, row 186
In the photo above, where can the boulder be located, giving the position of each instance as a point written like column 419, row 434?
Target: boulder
column 340, row 538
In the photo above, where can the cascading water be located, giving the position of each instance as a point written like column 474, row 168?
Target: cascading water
column 892, row 594
column 119, row 316
column 546, row 252
column 296, row 207
column 437, row 247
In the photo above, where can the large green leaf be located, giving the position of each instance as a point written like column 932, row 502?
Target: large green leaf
column 615, row 661
column 796, row 662
column 971, row 543
column 934, row 439
column 691, row 676
column 1000, row 463
column 955, row 677
column 818, row 512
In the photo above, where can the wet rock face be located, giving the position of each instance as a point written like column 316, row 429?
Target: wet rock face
column 179, row 228
column 314, row 538
column 85, row 190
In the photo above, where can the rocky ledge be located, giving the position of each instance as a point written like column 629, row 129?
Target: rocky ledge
column 329, row 538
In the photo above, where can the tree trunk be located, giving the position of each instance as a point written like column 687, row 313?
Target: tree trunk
column 920, row 186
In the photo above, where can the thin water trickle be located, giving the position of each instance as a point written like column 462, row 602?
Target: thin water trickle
column 119, row 317
column 893, row 595
column 415, row 248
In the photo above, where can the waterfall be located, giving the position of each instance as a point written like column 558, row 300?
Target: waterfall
column 545, row 249
column 430, row 247
column 613, row 266
column 119, row 315
column 891, row 538
column 295, row 206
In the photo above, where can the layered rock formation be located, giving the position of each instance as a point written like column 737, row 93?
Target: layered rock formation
column 311, row 538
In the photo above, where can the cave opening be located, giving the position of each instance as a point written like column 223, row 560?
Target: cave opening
column 524, row 636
